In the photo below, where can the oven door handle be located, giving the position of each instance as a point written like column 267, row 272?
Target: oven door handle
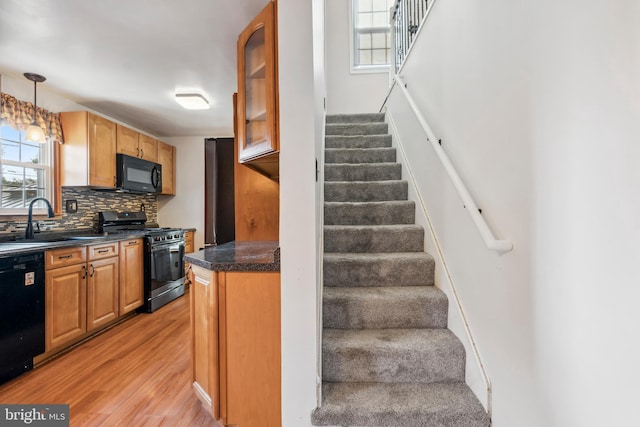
column 171, row 248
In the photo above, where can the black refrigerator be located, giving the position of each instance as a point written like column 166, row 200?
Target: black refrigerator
column 219, row 191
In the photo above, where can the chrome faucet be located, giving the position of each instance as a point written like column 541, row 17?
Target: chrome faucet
column 29, row 231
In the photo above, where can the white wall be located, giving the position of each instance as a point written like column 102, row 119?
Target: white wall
column 319, row 71
column 586, row 210
column 22, row 89
column 537, row 106
column 186, row 208
column 297, row 211
column 347, row 92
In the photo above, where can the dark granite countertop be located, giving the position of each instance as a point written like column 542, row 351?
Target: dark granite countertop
column 261, row 255
column 54, row 240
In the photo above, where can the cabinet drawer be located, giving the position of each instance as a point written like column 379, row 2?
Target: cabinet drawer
column 65, row 256
column 104, row 250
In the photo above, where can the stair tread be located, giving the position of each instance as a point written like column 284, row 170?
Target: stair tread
column 378, row 256
column 383, row 293
column 374, row 203
column 381, row 227
column 399, row 404
column 391, row 339
column 391, row 307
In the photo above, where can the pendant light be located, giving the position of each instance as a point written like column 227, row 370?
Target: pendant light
column 34, row 132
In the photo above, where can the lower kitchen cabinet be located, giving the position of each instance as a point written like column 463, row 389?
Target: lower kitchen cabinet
column 235, row 327
column 131, row 275
column 66, row 303
column 89, row 287
column 102, row 292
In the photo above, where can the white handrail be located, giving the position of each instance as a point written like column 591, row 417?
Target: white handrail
column 501, row 246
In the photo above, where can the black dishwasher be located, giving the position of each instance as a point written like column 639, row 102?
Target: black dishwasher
column 21, row 312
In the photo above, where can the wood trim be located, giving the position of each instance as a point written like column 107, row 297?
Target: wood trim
column 57, row 180
column 252, row 309
column 222, row 342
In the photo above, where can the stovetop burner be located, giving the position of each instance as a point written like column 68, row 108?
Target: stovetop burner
column 111, row 222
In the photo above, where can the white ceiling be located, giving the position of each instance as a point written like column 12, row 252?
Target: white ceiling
column 127, row 58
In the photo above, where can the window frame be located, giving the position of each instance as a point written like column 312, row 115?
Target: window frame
column 365, row 69
column 52, row 181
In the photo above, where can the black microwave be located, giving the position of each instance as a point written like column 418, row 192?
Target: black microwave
column 137, row 175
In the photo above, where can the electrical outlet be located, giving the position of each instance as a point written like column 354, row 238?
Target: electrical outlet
column 71, row 206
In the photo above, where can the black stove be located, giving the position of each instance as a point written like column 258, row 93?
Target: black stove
column 164, row 250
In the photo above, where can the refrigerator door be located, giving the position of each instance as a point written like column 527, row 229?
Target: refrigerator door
column 219, row 191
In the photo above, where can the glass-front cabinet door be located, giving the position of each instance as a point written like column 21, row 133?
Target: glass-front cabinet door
column 257, row 113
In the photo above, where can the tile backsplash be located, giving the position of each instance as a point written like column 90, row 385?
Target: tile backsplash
column 90, row 202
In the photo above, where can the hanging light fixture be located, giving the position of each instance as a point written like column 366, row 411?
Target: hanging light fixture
column 34, row 132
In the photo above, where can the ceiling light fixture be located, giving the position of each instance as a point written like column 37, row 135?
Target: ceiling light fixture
column 192, row 101
column 34, row 132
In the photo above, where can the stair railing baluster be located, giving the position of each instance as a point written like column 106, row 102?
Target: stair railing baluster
column 408, row 16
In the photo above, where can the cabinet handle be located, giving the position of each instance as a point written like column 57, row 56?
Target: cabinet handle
column 65, row 256
column 93, row 270
column 141, row 153
column 84, row 271
column 133, row 243
column 103, row 251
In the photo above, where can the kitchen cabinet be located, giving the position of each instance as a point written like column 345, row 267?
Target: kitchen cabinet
column 257, row 109
column 82, row 291
column 235, row 327
column 127, row 141
column 102, row 285
column 166, row 157
column 136, row 144
column 65, row 296
column 131, row 275
column 87, row 158
column 188, row 248
column 148, row 148
column 188, row 241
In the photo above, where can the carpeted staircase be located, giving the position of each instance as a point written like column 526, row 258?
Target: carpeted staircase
column 388, row 358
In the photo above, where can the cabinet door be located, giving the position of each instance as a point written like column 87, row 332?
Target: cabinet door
column 131, row 275
column 257, row 88
column 102, row 292
column 148, row 148
column 102, row 152
column 166, row 157
column 204, row 339
column 66, row 303
column 127, row 141
column 188, row 242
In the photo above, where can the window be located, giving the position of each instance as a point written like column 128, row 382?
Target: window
column 371, row 47
column 26, row 173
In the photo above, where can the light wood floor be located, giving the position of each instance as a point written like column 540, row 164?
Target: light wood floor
column 136, row 374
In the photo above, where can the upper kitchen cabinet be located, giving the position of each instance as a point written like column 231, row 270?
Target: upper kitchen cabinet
column 148, row 148
column 135, row 144
column 257, row 110
column 167, row 158
column 88, row 156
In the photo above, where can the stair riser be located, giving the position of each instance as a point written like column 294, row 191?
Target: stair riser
column 365, row 191
column 355, row 118
column 369, row 213
column 357, row 129
column 369, row 155
column 440, row 362
column 352, row 312
column 357, row 141
column 365, row 172
column 389, row 272
column 373, row 240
